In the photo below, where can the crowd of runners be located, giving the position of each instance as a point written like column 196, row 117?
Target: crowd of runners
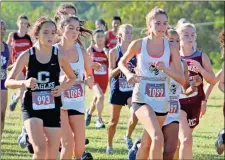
column 159, row 77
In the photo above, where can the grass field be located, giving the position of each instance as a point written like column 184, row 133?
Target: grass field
column 204, row 135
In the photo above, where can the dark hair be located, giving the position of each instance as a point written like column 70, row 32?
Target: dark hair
column 98, row 31
column 61, row 11
column 221, row 40
column 117, row 18
column 23, row 17
column 38, row 25
column 67, row 19
column 101, row 21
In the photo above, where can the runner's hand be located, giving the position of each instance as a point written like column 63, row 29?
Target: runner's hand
column 57, row 91
column 30, row 83
column 160, row 65
column 89, row 82
column 197, row 80
column 97, row 66
column 132, row 78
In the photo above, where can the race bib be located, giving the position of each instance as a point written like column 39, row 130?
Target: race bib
column 155, row 90
column 75, row 94
column 124, row 86
column 43, row 100
column 3, row 74
column 174, row 106
column 102, row 71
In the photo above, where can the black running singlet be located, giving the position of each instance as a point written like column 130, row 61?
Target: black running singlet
column 40, row 98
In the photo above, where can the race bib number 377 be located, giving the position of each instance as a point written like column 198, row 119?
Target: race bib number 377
column 43, row 100
column 155, row 90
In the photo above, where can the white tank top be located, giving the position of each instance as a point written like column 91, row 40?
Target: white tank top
column 154, row 90
column 74, row 98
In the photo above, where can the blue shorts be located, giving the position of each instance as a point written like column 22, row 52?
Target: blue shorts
column 3, row 85
column 119, row 98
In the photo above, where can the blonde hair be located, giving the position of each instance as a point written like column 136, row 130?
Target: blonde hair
column 184, row 26
column 181, row 21
column 152, row 14
column 122, row 28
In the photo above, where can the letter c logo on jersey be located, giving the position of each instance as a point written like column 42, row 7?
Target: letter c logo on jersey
column 43, row 77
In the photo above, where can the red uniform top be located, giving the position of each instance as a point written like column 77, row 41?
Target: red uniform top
column 111, row 40
column 101, row 76
column 197, row 56
column 20, row 44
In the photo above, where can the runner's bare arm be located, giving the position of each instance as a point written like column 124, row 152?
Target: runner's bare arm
column 113, row 70
column 10, row 38
column 88, row 69
column 10, row 56
column 207, row 71
column 209, row 87
column 133, row 49
column 70, row 76
column 20, row 63
column 177, row 73
column 221, row 82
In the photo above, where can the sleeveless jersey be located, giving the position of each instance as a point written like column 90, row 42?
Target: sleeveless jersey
column 154, row 90
column 199, row 94
column 100, row 76
column 20, row 44
column 112, row 40
column 4, row 63
column 74, row 98
column 47, row 75
column 119, row 83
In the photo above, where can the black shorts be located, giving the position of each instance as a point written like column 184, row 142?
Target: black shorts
column 72, row 112
column 119, row 98
column 136, row 106
column 50, row 117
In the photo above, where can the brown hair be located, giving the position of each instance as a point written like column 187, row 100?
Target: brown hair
column 83, row 32
column 221, row 40
column 61, row 11
column 152, row 14
column 171, row 31
column 23, row 17
column 38, row 25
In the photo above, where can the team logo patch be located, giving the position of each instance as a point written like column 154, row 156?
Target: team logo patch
column 153, row 69
column 173, row 88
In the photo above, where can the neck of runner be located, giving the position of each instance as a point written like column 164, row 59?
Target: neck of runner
column 155, row 40
column 44, row 49
column 100, row 46
column 124, row 46
column 66, row 44
column 21, row 32
column 114, row 30
column 186, row 50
